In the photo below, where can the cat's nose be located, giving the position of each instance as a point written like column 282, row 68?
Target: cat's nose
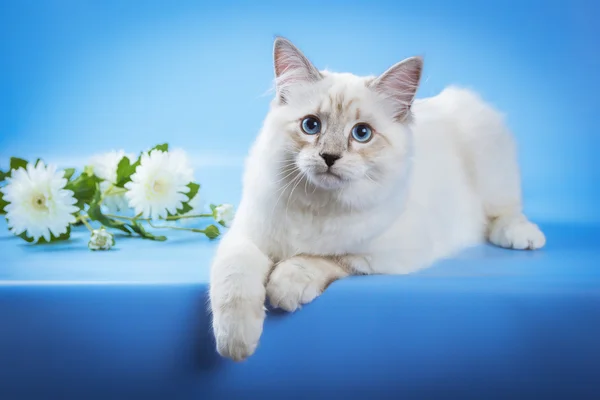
column 329, row 158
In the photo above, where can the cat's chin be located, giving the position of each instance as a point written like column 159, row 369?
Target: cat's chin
column 328, row 180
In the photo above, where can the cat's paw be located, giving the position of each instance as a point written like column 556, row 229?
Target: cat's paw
column 516, row 233
column 295, row 282
column 237, row 327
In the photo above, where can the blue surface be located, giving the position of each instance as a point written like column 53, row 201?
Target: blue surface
column 490, row 323
column 80, row 77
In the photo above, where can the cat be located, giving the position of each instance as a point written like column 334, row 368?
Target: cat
column 350, row 175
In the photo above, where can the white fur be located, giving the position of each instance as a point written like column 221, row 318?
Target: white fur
column 441, row 184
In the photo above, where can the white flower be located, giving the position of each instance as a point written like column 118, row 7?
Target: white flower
column 104, row 166
column 224, row 214
column 101, row 239
column 38, row 202
column 159, row 183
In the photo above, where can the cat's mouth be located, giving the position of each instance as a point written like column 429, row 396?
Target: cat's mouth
column 329, row 179
column 331, row 173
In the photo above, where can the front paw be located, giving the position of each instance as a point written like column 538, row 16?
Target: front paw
column 516, row 233
column 294, row 282
column 238, row 326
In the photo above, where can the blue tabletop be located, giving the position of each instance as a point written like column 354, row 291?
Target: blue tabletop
column 133, row 322
column 570, row 261
column 184, row 258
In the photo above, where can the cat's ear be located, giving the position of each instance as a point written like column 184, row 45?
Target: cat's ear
column 291, row 67
column 399, row 84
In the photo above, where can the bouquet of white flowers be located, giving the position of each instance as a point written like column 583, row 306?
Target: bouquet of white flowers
column 114, row 191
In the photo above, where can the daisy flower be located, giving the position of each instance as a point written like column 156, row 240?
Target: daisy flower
column 104, row 167
column 101, row 239
column 224, row 214
column 159, row 184
column 38, row 202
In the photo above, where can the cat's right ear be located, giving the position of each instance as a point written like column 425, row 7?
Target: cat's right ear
column 291, row 67
column 399, row 84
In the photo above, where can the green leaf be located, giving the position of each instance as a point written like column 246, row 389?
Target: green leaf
column 95, row 214
column 88, row 170
column 84, row 188
column 185, row 207
column 212, row 232
column 162, row 147
column 37, row 161
column 139, row 229
column 124, row 171
column 16, row 163
column 26, row 238
column 194, row 187
column 60, row 238
column 3, row 203
column 4, row 175
column 69, row 173
column 97, row 197
column 123, row 168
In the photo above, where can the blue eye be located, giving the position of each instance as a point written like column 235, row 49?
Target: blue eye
column 362, row 133
column 311, row 125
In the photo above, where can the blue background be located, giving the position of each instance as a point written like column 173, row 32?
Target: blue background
column 79, row 77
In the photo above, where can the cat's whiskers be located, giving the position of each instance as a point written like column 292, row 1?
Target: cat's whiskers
column 291, row 164
column 294, row 170
column 370, row 178
column 314, row 189
column 309, row 169
column 287, row 161
column 283, row 188
column 287, row 206
column 305, row 187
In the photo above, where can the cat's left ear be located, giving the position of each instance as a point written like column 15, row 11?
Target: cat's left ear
column 291, row 67
column 399, row 84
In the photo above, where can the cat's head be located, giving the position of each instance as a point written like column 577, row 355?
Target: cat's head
column 340, row 130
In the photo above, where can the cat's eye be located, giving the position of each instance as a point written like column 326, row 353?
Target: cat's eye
column 362, row 133
column 311, row 125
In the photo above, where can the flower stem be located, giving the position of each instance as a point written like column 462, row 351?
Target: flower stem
column 170, row 218
column 176, row 217
column 124, row 217
column 112, row 189
column 84, row 218
column 115, row 190
column 176, row 228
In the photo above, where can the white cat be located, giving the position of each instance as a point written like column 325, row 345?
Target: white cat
column 349, row 176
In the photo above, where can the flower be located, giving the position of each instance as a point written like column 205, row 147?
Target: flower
column 212, row 232
column 159, row 183
column 101, row 239
column 38, row 205
column 104, row 166
column 224, row 214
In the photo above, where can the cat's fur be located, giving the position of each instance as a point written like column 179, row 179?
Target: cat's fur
column 439, row 174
